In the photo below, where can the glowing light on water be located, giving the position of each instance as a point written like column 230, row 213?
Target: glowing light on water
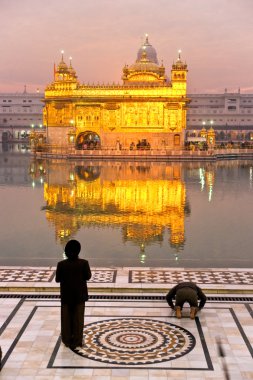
column 202, row 178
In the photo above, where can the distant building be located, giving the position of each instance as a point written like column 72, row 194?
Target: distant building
column 229, row 114
column 20, row 113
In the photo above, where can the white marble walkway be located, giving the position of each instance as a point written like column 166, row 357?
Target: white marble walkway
column 124, row 337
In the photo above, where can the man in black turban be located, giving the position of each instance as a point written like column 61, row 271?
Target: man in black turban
column 72, row 275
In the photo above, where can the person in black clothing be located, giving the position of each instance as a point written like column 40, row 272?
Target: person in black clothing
column 186, row 292
column 72, row 275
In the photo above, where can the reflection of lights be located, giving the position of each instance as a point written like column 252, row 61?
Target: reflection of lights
column 210, row 180
column 142, row 258
column 64, row 256
column 202, row 178
column 64, row 233
column 142, row 253
column 141, row 206
column 33, row 184
column 41, row 180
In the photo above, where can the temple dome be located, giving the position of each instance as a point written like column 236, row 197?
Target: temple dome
column 144, row 71
column 145, row 64
column 148, row 48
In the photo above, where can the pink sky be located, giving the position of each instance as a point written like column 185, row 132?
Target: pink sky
column 215, row 36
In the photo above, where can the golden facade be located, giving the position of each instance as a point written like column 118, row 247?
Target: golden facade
column 148, row 110
column 141, row 199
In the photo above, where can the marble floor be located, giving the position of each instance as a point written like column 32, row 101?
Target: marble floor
column 130, row 332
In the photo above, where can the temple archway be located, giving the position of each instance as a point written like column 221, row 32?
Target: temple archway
column 88, row 140
column 88, row 173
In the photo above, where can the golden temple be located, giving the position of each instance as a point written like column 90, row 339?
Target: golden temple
column 146, row 111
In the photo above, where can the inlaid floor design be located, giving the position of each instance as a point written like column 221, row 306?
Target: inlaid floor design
column 26, row 275
column 126, row 339
column 199, row 277
column 135, row 341
column 47, row 275
column 134, row 276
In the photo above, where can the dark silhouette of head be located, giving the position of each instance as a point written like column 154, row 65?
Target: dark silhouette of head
column 72, row 249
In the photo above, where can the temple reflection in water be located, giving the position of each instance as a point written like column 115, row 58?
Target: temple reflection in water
column 142, row 199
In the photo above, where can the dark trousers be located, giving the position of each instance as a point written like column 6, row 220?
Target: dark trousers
column 186, row 295
column 72, row 322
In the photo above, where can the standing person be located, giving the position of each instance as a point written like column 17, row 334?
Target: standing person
column 186, row 292
column 72, row 275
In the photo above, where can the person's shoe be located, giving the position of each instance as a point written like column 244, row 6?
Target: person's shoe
column 178, row 312
column 72, row 346
column 193, row 312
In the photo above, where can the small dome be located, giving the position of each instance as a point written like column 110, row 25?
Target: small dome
column 65, row 73
column 71, row 70
column 151, row 52
column 62, row 67
column 179, row 65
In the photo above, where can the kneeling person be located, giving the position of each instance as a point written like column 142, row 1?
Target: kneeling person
column 186, row 292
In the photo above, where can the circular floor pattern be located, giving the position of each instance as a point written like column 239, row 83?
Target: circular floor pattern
column 135, row 341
